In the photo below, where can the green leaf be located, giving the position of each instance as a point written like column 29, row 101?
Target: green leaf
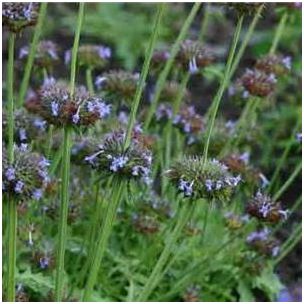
column 244, row 291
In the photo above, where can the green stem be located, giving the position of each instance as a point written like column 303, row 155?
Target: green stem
column 205, row 22
column 246, row 40
column 284, row 156
column 217, row 99
column 155, row 277
column 291, row 178
column 31, row 56
column 66, row 155
column 165, row 72
column 89, row 80
column 63, row 214
column 290, row 243
column 12, row 204
column 278, row 34
column 144, row 74
column 103, row 239
column 50, row 141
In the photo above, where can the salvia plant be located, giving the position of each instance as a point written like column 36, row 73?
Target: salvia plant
column 165, row 170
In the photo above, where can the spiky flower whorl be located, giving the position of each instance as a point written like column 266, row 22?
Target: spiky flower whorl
column 110, row 158
column 91, row 56
column 257, row 83
column 27, row 177
column 265, row 209
column 262, row 242
column 274, row 64
column 46, row 54
column 118, row 84
column 18, row 15
column 56, row 105
column 27, row 126
column 193, row 56
column 195, row 180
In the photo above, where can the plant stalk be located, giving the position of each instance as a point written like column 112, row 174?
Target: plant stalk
column 12, row 204
column 31, row 56
column 89, row 80
column 217, row 99
column 144, row 74
column 165, row 72
column 65, row 173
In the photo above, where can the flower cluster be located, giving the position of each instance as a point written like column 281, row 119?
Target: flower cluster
column 265, row 209
column 91, row 56
column 120, row 84
column 188, row 121
column 212, row 180
column 56, row 105
column 27, row 177
column 145, row 224
column 44, row 259
column 18, row 15
column 27, row 127
column 163, row 112
column 46, row 54
column 263, row 243
column 235, row 221
column 110, row 158
column 81, row 148
column 274, row 64
column 194, row 56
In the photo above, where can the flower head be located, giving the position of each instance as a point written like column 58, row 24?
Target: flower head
column 265, row 209
column 27, row 174
column 247, row 8
column 56, row 105
column 145, row 224
column 274, row 64
column 46, row 54
column 18, row 15
column 118, row 84
column 195, row 180
column 194, row 56
column 91, row 56
column 262, row 242
column 109, row 157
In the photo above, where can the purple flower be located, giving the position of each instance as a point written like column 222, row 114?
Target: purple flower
column 40, row 124
column 37, row 194
column 19, row 186
column 43, row 163
column 76, row 118
column 104, row 52
column 55, row 108
column 287, row 62
column 193, row 66
column 23, row 147
column 186, row 187
column 44, row 262
column 10, row 174
column 209, row 184
column 22, row 134
column 99, row 81
column 118, row 163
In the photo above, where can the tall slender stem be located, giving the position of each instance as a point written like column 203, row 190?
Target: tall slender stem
column 31, row 56
column 284, row 156
column 65, row 173
column 205, row 22
column 144, row 74
column 278, row 34
column 246, row 40
column 89, row 80
column 103, row 239
column 291, row 178
column 220, row 92
column 155, row 277
column 165, row 72
column 12, row 204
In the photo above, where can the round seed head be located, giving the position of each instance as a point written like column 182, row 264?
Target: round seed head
column 194, row 56
column 195, row 180
column 91, row 56
column 273, row 64
column 118, row 84
column 265, row 209
column 46, row 54
column 56, row 105
column 18, row 15
column 27, row 176
column 109, row 157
